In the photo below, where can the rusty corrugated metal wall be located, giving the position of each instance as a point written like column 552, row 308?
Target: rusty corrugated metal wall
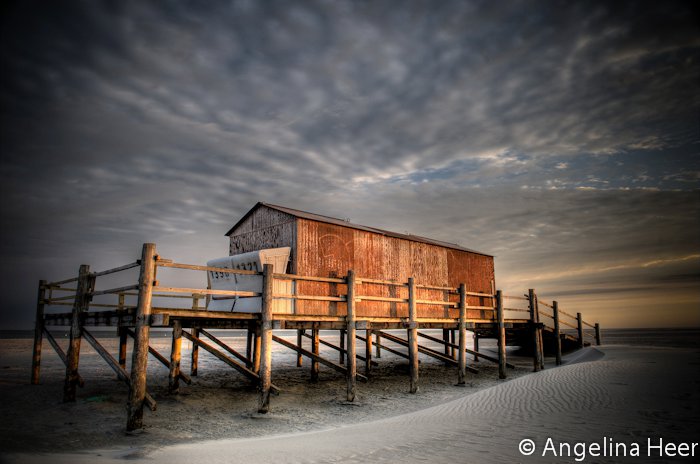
column 330, row 250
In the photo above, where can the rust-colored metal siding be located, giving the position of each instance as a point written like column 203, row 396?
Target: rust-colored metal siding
column 331, row 250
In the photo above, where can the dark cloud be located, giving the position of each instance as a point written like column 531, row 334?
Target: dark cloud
column 562, row 137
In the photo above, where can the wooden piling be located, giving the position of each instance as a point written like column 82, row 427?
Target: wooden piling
column 462, row 371
column 476, row 347
column 534, row 322
column 300, row 335
column 350, row 360
column 175, row 353
column 341, row 351
column 446, row 340
column 412, row 336
column 502, row 364
column 378, row 344
column 257, row 339
column 266, row 341
column 315, row 345
column 368, row 352
column 38, row 332
column 453, row 355
column 597, row 333
column 579, row 327
column 249, row 344
column 139, row 358
column 557, row 332
column 121, row 331
column 194, row 355
column 80, row 305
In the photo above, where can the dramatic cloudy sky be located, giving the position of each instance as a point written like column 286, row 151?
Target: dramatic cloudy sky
column 562, row 137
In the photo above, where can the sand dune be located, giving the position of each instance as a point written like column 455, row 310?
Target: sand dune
column 628, row 395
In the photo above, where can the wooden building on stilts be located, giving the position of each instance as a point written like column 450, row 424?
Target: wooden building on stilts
column 357, row 280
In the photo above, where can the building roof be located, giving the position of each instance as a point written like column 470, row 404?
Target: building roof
column 343, row 223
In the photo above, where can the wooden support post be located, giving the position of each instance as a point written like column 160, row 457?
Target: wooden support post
column 501, row 336
column 300, row 335
column 368, row 351
column 123, row 336
column 378, row 344
column 80, row 305
column 163, row 360
column 315, row 345
column 194, row 363
column 446, row 340
column 341, row 344
column 557, row 332
column 534, row 322
column 476, row 347
column 412, row 336
column 597, row 333
column 175, row 353
column 351, row 362
column 462, row 371
column 139, row 357
column 266, row 341
column 257, row 340
column 453, row 354
column 579, row 324
column 61, row 354
column 38, row 332
column 249, row 344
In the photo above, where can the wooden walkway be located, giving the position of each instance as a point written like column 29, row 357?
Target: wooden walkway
column 538, row 328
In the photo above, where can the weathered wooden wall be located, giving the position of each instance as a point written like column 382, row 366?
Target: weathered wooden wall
column 265, row 228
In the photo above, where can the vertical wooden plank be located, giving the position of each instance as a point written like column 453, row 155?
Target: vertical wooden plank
column 123, row 336
column 446, row 339
column 341, row 344
column 368, row 351
column 38, row 332
column 175, row 354
column 579, row 324
column 350, row 360
column 412, row 336
column 266, row 341
column 300, row 337
column 139, row 357
column 535, row 333
column 315, row 365
column 257, row 340
column 378, row 345
column 194, row 355
column 597, row 333
column 501, row 336
column 453, row 355
column 80, row 304
column 557, row 332
column 476, row 347
column 249, row 345
column 462, row 371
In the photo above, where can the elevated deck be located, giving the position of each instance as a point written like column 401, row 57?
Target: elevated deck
column 413, row 307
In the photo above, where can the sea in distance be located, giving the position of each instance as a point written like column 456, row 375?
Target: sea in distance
column 672, row 338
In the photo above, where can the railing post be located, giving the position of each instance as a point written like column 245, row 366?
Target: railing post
column 266, row 340
column 597, row 333
column 139, row 357
column 80, row 304
column 534, row 321
column 175, row 354
column 579, row 327
column 501, row 336
column 462, row 355
column 38, row 332
column 557, row 332
column 350, row 360
column 412, row 336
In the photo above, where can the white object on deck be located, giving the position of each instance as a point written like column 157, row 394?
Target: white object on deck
column 252, row 261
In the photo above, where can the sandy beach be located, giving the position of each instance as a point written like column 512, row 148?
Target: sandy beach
column 609, row 394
